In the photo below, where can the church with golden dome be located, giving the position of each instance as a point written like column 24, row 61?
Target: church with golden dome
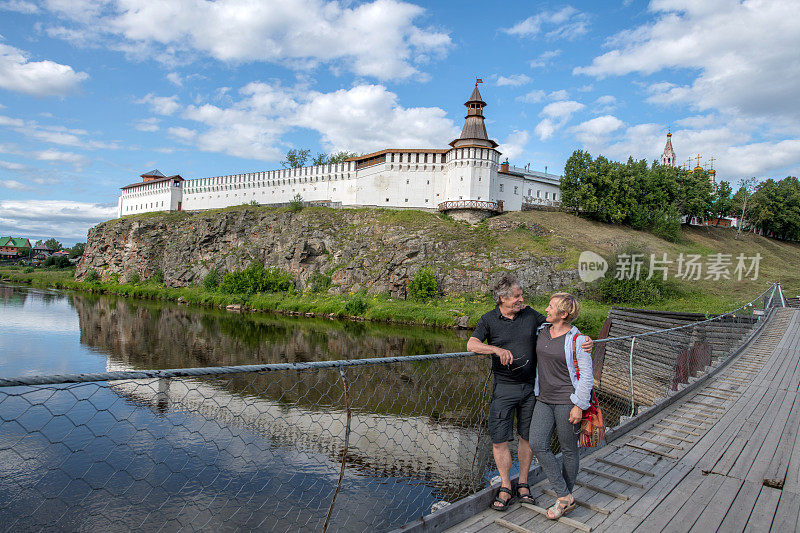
column 668, row 159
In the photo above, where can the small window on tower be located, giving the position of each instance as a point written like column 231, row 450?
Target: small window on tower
column 501, row 187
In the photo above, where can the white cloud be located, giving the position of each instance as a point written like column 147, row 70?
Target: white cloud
column 184, row 134
column 55, row 134
column 556, row 114
column 544, row 58
column 368, row 117
column 61, row 218
column 36, row 78
column 20, row 6
column 533, row 97
column 561, row 94
column 562, row 109
column 175, row 79
column 605, row 104
column 378, row 39
column 513, row 80
column 363, row 118
column 515, row 144
column 545, row 129
column 58, row 156
column 732, row 160
column 566, row 23
column 147, row 124
column 13, row 185
column 162, row 105
column 745, row 52
column 594, row 132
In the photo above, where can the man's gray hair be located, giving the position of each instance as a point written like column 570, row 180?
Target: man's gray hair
column 507, row 283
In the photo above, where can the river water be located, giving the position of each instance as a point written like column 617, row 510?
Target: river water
column 236, row 452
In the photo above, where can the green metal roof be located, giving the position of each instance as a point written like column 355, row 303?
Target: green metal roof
column 16, row 242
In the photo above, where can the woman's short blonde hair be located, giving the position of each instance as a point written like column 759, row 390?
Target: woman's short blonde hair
column 567, row 303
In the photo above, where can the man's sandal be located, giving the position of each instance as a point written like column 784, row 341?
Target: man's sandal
column 525, row 498
column 499, row 504
column 560, row 508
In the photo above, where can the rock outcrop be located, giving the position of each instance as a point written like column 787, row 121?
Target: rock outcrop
column 373, row 249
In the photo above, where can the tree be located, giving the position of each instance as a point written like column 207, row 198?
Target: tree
column 52, row 244
column 576, row 190
column 340, row 157
column 77, row 250
column 722, row 202
column 333, row 158
column 296, row 158
column 746, row 188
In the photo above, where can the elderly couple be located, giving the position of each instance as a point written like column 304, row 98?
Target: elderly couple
column 535, row 379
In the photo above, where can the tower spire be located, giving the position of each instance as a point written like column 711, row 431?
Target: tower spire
column 474, row 130
column 668, row 156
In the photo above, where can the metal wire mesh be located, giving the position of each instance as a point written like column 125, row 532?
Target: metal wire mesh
column 247, row 450
column 649, row 355
column 344, row 445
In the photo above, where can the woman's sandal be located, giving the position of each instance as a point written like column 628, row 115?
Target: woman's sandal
column 560, row 508
column 525, row 498
column 499, row 504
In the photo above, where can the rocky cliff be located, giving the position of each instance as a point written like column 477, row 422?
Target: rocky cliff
column 374, row 249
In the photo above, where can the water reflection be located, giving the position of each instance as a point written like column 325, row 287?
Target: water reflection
column 247, row 450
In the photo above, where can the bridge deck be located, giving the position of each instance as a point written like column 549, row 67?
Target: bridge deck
column 726, row 457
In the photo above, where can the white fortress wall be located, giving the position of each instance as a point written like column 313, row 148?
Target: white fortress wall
column 396, row 178
column 147, row 197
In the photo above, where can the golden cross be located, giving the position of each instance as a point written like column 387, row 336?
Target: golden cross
column 698, row 160
column 711, row 162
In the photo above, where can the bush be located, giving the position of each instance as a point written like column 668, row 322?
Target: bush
column 115, row 277
column 158, row 277
column 134, row 278
column 667, row 224
column 58, row 261
column 256, row 278
column 28, row 270
column 297, row 203
column 638, row 290
column 356, row 305
column 319, row 282
column 424, row 286
column 92, row 276
column 212, row 279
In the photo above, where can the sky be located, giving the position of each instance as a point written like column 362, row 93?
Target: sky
column 94, row 93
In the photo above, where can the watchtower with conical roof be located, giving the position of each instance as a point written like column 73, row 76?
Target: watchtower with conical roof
column 473, row 160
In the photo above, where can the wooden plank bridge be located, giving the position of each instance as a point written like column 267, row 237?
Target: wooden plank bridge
column 725, row 457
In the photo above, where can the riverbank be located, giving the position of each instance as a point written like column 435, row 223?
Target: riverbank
column 446, row 311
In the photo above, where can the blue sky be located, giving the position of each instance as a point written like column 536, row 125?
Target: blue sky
column 95, row 92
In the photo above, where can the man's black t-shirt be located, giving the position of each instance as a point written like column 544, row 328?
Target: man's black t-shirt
column 518, row 336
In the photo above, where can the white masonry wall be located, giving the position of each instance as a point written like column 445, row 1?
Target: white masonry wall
column 147, row 197
column 415, row 179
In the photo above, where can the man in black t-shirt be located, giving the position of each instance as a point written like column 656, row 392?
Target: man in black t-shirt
column 509, row 331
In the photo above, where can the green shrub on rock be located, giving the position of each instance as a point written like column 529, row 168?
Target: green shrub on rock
column 92, row 276
column 212, row 279
column 424, row 286
column 356, row 305
column 256, row 278
column 319, row 282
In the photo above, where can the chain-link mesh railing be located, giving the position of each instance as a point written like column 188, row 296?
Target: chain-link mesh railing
column 358, row 445
column 648, row 354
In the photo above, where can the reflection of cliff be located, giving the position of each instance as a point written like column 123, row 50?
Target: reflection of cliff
column 145, row 335
column 415, row 446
